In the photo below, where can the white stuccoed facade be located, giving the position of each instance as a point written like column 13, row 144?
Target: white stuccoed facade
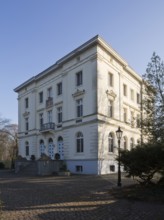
column 58, row 116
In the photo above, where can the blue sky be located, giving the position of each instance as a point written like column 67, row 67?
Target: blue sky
column 34, row 34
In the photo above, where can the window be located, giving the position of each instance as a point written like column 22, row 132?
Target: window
column 41, row 97
column 26, row 103
column 79, row 169
column 42, row 147
column 41, row 119
column 49, row 116
column 79, row 78
column 49, row 92
column 59, row 88
column 79, row 142
column 110, row 109
column 110, row 143
column 79, row 108
column 132, row 94
column 111, row 83
column 112, row 168
column 132, row 119
column 125, row 115
column 138, row 121
column 59, row 114
column 26, row 124
column 27, row 148
column 138, row 98
column 125, row 143
column 131, row 143
column 125, row 90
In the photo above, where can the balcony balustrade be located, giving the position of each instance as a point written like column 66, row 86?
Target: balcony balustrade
column 47, row 127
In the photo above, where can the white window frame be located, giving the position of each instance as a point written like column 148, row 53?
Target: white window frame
column 110, row 79
column 79, row 108
column 79, row 78
column 59, row 114
column 79, row 142
column 59, row 88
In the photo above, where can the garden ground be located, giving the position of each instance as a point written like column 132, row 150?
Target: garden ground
column 73, row 197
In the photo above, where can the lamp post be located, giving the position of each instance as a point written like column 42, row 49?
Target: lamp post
column 119, row 135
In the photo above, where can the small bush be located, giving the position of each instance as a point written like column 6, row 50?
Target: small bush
column 32, row 157
column 57, row 156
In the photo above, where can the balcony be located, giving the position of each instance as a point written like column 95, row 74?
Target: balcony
column 49, row 102
column 47, row 127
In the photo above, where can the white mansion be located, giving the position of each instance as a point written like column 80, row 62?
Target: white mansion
column 75, row 107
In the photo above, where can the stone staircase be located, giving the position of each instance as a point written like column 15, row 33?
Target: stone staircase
column 27, row 169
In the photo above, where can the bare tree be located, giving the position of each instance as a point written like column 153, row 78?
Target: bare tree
column 8, row 141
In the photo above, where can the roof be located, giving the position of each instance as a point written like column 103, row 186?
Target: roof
column 93, row 41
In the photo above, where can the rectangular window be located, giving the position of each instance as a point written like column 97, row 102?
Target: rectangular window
column 138, row 121
column 26, row 124
column 111, row 143
column 112, row 168
column 125, row 115
column 41, row 97
column 26, row 103
column 111, row 81
column 41, row 119
column 79, row 169
column 125, row 90
column 79, row 78
column 110, row 109
column 59, row 88
column 49, row 92
column 79, row 108
column 49, row 116
column 59, row 114
column 132, row 94
column 138, row 98
column 132, row 119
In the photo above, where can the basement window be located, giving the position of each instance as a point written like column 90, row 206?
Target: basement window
column 79, row 169
column 112, row 168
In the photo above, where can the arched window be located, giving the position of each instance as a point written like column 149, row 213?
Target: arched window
column 79, row 142
column 41, row 142
column 138, row 142
column 27, row 148
column 60, row 138
column 50, row 141
column 125, row 142
column 131, row 143
column 110, row 142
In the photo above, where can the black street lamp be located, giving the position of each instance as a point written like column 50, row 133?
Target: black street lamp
column 119, row 135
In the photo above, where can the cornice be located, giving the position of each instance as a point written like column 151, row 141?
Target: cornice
column 95, row 41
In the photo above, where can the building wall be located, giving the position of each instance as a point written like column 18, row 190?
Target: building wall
column 104, row 78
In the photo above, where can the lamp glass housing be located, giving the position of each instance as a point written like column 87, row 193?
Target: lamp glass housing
column 119, row 133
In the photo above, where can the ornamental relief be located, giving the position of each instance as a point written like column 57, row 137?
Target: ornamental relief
column 25, row 114
column 111, row 95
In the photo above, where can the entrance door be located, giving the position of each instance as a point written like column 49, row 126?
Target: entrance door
column 61, row 148
column 42, row 147
column 51, row 149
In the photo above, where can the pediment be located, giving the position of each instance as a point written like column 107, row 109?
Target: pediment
column 78, row 93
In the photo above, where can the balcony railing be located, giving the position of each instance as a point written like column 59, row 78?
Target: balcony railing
column 47, row 127
column 49, row 102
